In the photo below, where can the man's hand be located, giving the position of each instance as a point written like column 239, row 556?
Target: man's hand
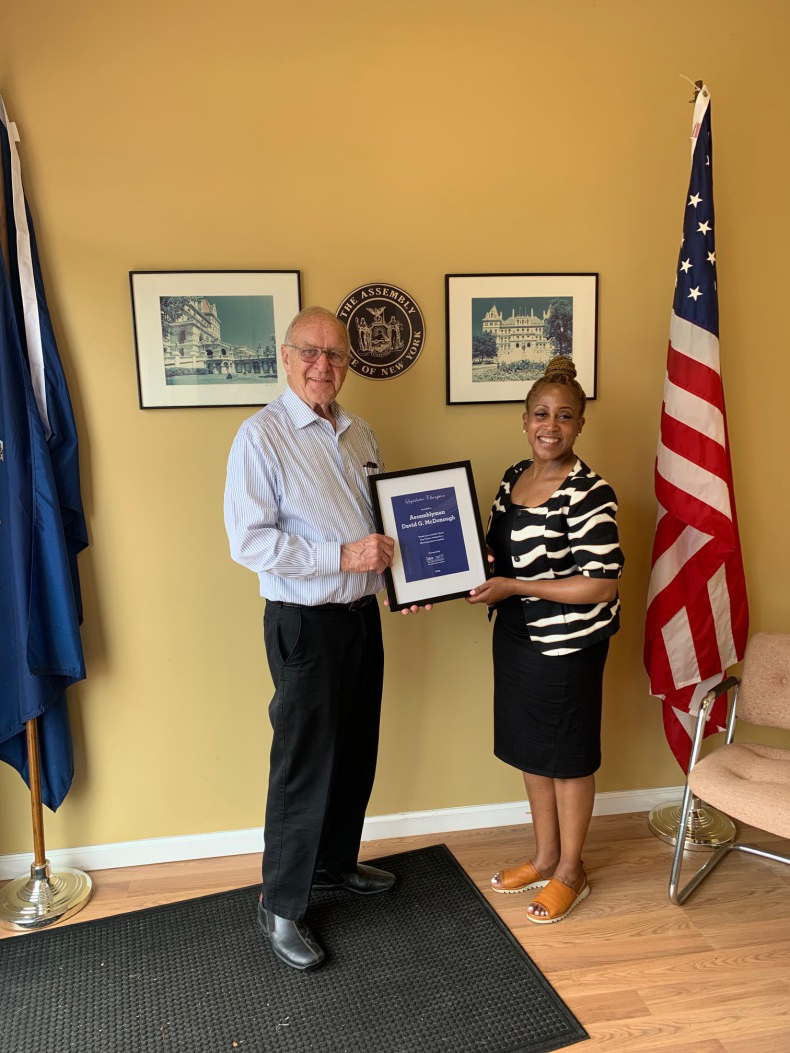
column 373, row 552
column 492, row 591
column 414, row 609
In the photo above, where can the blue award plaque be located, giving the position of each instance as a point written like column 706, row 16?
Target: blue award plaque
column 429, row 534
column 432, row 515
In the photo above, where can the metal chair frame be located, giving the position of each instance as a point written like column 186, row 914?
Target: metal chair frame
column 677, row 895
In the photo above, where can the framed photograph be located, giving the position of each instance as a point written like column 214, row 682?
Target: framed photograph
column 433, row 516
column 211, row 338
column 502, row 329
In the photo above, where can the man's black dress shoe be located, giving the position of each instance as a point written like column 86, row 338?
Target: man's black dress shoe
column 291, row 941
column 365, row 880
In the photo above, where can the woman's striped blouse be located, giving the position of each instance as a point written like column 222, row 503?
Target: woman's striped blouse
column 573, row 532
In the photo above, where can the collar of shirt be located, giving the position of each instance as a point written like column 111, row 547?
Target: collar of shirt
column 301, row 415
column 521, row 466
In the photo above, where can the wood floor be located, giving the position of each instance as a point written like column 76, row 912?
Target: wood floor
column 641, row 975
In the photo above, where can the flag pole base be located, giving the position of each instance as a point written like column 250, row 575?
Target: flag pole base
column 706, row 827
column 45, row 898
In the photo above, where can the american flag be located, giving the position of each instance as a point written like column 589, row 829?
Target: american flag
column 697, row 611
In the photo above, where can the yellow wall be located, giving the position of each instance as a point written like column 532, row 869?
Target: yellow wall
column 364, row 142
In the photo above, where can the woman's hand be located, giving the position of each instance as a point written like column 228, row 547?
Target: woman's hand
column 492, row 591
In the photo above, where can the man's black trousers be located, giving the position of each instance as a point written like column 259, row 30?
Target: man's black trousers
column 327, row 667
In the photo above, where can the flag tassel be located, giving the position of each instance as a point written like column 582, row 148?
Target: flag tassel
column 47, row 896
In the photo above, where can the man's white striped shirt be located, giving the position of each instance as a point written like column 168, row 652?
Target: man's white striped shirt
column 296, row 490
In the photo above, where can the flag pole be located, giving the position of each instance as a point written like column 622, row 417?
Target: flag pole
column 47, row 896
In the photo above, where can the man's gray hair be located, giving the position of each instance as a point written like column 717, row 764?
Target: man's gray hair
column 308, row 314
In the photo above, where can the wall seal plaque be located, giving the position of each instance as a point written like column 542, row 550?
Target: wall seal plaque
column 386, row 329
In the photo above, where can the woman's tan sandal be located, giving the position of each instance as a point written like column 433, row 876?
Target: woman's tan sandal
column 559, row 899
column 518, row 879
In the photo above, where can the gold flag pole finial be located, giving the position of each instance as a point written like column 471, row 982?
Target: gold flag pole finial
column 697, row 85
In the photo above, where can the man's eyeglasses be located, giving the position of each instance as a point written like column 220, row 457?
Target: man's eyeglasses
column 336, row 356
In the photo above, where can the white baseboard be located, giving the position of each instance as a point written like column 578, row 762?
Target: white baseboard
column 401, row 824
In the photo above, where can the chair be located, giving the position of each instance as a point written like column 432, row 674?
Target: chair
column 750, row 782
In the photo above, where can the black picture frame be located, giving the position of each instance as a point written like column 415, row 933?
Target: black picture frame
column 498, row 338
column 211, row 338
column 445, row 556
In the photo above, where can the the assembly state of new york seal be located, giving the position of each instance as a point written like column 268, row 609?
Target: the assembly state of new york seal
column 386, row 330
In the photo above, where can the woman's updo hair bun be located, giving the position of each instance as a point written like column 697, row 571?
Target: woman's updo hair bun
column 560, row 366
column 559, row 370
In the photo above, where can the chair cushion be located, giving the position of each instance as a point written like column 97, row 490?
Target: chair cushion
column 749, row 782
column 764, row 694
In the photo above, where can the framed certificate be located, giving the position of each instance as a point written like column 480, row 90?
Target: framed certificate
column 433, row 516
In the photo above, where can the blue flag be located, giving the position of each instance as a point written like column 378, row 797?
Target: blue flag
column 42, row 526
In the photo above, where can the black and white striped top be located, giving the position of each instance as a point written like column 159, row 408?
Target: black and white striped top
column 573, row 532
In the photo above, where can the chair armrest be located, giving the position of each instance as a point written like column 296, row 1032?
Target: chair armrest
column 705, row 707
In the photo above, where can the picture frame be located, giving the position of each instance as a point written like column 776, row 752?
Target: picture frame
column 211, row 338
column 433, row 515
column 502, row 329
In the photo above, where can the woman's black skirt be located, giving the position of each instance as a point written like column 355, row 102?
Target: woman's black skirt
column 547, row 708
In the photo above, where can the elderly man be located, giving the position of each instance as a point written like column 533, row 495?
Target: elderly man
column 298, row 512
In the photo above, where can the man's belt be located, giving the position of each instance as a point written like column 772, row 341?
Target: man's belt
column 355, row 605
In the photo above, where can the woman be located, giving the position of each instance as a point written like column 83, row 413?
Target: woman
column 553, row 538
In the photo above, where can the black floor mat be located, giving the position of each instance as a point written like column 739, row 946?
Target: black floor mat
column 425, row 967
